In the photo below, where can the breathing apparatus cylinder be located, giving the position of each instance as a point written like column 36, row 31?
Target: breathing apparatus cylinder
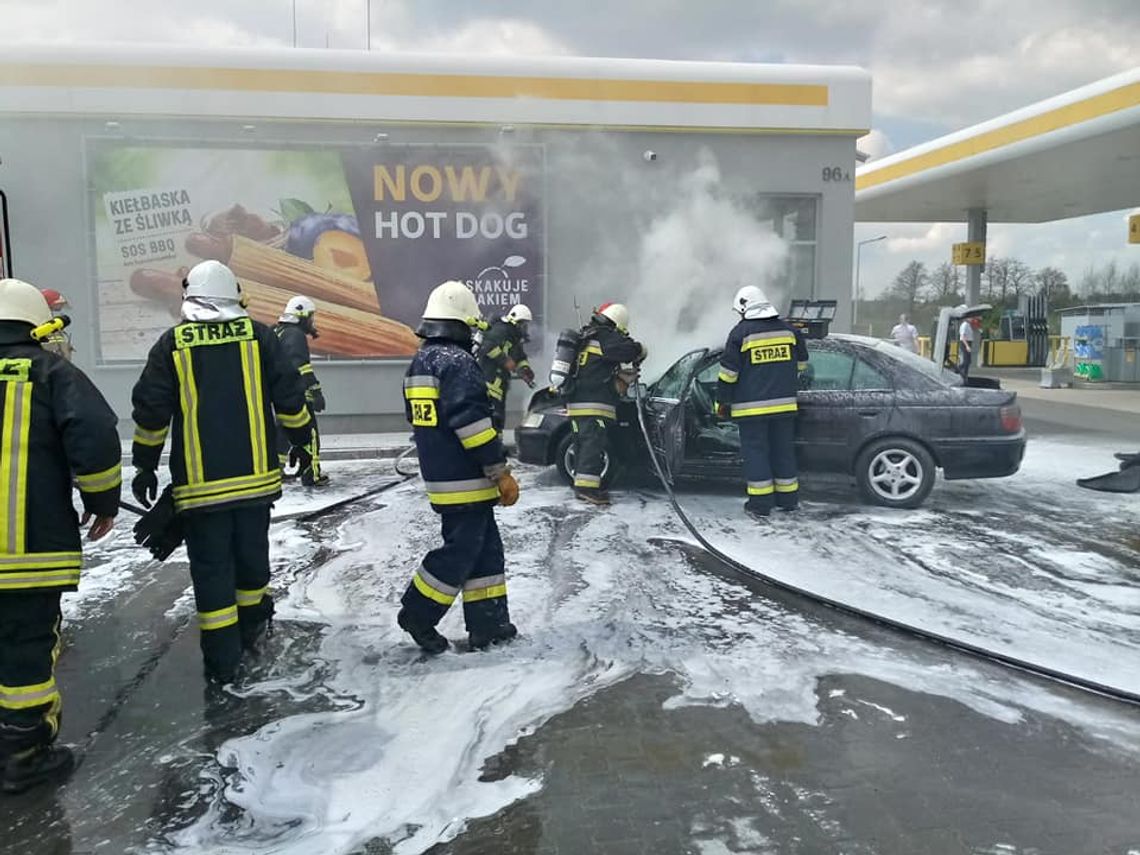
column 565, row 363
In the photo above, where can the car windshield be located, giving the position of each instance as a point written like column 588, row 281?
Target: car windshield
column 918, row 363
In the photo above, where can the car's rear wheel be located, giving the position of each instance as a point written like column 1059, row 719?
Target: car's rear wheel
column 895, row 473
column 564, row 460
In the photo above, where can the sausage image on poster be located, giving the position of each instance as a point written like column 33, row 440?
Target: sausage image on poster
column 433, row 213
column 365, row 236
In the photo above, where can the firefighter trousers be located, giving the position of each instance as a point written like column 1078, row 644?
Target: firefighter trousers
column 29, row 646
column 284, row 444
column 591, row 446
column 470, row 562
column 768, row 444
column 229, row 565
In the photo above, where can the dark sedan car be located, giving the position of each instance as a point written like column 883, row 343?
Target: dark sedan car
column 866, row 408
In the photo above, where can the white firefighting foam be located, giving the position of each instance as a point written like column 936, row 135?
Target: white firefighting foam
column 596, row 603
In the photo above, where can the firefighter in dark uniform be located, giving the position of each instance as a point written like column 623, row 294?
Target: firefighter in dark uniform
column 606, row 345
column 501, row 355
column 218, row 377
column 757, row 387
column 296, row 324
column 465, row 472
column 56, row 430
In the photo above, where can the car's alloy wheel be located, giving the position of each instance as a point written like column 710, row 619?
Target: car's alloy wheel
column 895, row 473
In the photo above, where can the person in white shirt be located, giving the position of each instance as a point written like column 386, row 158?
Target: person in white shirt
column 966, row 345
column 905, row 334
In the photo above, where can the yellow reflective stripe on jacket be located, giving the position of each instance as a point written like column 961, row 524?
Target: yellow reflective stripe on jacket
column 150, row 437
column 421, row 387
column 26, row 697
column 226, row 490
column 586, row 409
column 484, row 588
column 307, row 368
column 39, row 570
column 433, row 588
column 218, row 619
column 767, row 339
column 250, row 597
column 764, row 408
column 99, row 482
column 727, row 375
column 495, row 352
column 251, row 384
column 461, row 492
column 495, row 391
column 476, row 434
column 188, row 394
column 294, row 420
column 14, row 466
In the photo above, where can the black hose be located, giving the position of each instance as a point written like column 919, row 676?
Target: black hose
column 994, row 656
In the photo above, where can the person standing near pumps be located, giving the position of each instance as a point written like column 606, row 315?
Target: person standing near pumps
column 756, row 386
column 465, row 471
column 55, row 429
column 905, row 334
column 218, row 376
column 606, row 345
column 501, row 355
column 297, row 323
column 966, row 344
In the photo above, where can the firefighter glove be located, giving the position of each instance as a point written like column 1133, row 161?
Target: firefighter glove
column 723, row 411
column 145, row 487
column 300, row 456
column 508, row 489
column 527, row 375
column 316, row 400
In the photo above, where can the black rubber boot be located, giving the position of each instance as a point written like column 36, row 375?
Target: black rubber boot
column 35, row 766
column 757, row 512
column 310, row 480
column 500, row 635
column 425, row 636
column 256, row 624
column 594, row 497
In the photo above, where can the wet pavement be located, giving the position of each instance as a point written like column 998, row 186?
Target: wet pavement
column 656, row 703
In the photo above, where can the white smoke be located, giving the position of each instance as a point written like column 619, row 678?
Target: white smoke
column 692, row 259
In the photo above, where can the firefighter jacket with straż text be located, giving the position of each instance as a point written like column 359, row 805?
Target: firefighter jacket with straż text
column 604, row 349
column 502, row 345
column 57, row 430
column 445, row 399
column 218, row 383
column 295, row 345
column 759, row 368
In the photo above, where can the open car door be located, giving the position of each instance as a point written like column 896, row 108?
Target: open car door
column 665, row 414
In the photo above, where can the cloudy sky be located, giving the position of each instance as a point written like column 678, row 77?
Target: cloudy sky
column 938, row 65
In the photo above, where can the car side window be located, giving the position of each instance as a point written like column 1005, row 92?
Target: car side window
column 868, row 377
column 828, row 371
column 672, row 382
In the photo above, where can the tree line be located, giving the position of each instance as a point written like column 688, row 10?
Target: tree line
column 919, row 291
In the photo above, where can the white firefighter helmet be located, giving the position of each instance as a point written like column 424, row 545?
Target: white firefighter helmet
column 752, row 303
column 518, row 313
column 297, row 309
column 452, row 301
column 211, row 280
column 20, row 301
column 615, row 312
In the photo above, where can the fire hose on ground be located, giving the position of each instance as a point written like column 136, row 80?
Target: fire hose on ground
column 907, row 629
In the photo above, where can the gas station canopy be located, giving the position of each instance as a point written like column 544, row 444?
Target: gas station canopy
column 1068, row 156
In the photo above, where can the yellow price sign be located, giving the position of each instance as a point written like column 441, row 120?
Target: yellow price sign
column 972, row 252
column 1134, row 228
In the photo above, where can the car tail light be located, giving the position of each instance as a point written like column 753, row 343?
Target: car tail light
column 1011, row 418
